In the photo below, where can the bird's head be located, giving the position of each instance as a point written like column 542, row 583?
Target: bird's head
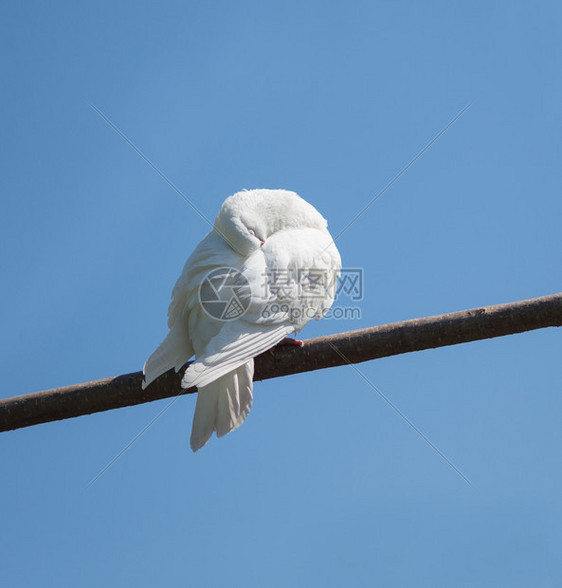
column 247, row 219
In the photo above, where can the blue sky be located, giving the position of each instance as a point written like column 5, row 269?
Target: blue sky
column 324, row 485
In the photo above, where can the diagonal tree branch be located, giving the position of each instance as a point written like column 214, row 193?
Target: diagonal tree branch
column 357, row 346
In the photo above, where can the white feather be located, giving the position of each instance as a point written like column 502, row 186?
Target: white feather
column 173, row 352
column 222, row 405
column 262, row 234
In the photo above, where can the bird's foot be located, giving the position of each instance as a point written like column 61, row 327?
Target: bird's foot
column 290, row 341
column 285, row 342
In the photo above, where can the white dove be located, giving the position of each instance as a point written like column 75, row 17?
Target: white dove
column 268, row 266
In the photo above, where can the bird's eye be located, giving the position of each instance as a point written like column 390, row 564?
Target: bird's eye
column 253, row 233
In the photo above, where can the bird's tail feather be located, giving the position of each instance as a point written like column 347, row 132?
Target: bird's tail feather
column 173, row 352
column 222, row 405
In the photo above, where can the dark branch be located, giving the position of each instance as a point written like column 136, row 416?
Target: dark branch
column 324, row 352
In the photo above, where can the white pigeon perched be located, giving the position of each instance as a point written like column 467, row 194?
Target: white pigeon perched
column 268, row 266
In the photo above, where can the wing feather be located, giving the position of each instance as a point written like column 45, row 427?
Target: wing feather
column 231, row 350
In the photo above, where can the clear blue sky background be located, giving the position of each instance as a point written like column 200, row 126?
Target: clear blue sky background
column 324, row 485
